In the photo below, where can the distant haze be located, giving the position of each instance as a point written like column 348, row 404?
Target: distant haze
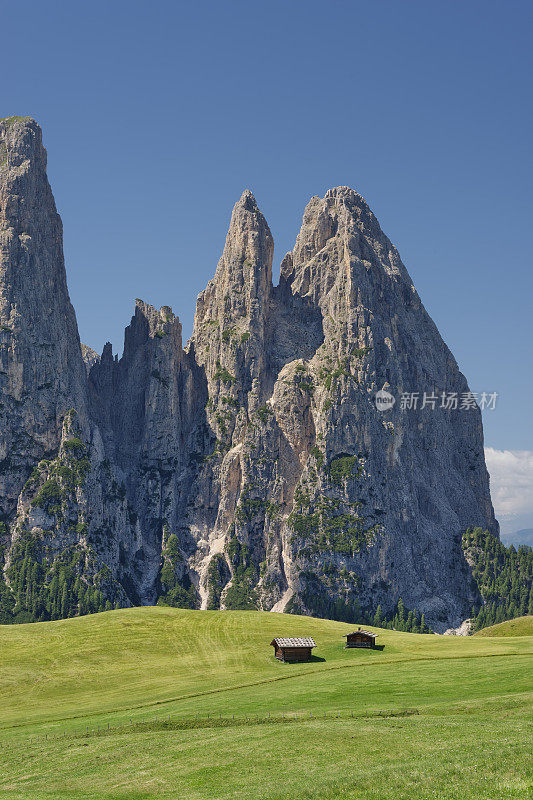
column 524, row 536
column 511, row 488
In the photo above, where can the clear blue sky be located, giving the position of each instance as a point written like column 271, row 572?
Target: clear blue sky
column 157, row 115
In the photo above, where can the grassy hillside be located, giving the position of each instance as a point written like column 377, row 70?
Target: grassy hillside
column 198, row 707
column 521, row 626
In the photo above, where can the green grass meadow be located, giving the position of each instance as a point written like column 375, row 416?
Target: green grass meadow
column 162, row 703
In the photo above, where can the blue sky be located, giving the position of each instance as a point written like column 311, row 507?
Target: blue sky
column 157, row 115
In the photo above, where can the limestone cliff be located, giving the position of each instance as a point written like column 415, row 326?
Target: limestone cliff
column 41, row 368
column 251, row 469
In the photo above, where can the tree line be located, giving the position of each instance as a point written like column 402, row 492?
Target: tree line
column 504, row 577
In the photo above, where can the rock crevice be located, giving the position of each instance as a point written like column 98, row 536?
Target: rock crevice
column 251, row 469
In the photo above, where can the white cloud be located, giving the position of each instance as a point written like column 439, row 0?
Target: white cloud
column 511, row 484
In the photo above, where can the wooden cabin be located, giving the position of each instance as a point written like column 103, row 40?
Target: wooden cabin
column 293, row 649
column 361, row 638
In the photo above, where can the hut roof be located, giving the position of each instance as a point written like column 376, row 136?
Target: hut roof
column 296, row 641
column 366, row 633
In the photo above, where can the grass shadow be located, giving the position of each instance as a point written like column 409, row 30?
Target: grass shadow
column 312, row 660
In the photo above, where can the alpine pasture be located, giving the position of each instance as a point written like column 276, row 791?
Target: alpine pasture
column 157, row 703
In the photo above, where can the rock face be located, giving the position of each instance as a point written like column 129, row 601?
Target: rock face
column 41, row 367
column 90, row 357
column 251, row 469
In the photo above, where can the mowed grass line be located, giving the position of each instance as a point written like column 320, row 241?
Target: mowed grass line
column 432, row 685
column 134, row 658
column 470, row 740
column 381, row 685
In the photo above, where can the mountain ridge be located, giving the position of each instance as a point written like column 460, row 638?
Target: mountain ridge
column 250, row 468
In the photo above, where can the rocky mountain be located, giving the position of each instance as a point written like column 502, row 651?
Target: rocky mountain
column 251, row 468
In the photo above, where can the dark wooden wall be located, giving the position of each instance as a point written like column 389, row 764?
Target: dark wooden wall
column 293, row 653
column 359, row 640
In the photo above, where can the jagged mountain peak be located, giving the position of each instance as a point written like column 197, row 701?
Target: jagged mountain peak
column 336, row 200
column 17, row 126
column 107, row 354
column 15, row 120
column 341, row 244
column 155, row 317
column 242, row 283
column 42, row 373
column 342, row 209
column 21, row 147
column 247, row 201
column 248, row 236
column 346, row 194
column 90, row 357
column 252, row 470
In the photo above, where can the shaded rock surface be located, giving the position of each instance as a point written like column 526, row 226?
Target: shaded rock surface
column 251, row 469
column 41, row 368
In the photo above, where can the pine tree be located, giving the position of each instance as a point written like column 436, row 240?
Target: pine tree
column 504, row 576
column 65, row 608
column 401, row 612
column 53, row 590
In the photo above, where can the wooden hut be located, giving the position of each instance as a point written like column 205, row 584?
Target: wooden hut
column 361, row 638
column 293, row 649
